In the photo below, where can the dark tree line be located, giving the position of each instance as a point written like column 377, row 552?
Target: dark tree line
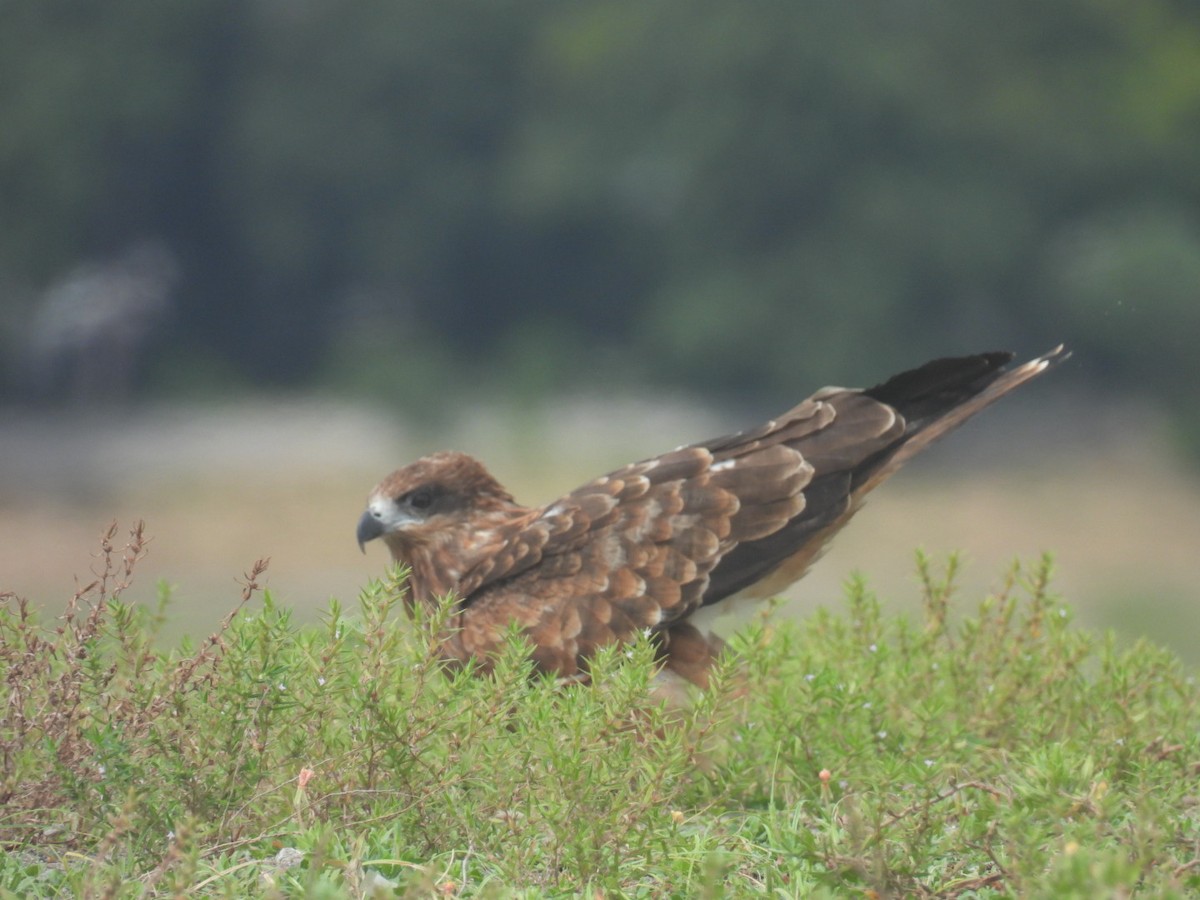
column 393, row 195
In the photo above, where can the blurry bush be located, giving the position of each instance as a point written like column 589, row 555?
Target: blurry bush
column 771, row 194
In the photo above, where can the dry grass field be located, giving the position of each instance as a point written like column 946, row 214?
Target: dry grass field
column 221, row 487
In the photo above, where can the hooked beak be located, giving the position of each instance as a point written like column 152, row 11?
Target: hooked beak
column 369, row 528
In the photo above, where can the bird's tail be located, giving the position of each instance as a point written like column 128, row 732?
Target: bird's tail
column 939, row 396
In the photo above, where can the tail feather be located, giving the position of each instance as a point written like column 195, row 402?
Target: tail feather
column 931, row 389
column 941, row 395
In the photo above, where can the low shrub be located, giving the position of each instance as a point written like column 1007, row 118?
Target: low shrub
column 1002, row 753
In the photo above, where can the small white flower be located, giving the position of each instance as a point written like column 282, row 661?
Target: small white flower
column 882, row 735
column 809, row 677
column 321, row 680
column 873, row 648
column 100, row 769
column 282, row 686
column 867, row 705
column 928, row 763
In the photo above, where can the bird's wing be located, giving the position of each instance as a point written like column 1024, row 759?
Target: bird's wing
column 638, row 548
column 666, row 520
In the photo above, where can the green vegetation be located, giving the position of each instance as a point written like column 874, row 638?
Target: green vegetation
column 1001, row 753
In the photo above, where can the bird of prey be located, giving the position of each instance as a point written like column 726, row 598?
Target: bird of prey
column 664, row 544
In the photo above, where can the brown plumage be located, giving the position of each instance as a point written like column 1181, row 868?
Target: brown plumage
column 653, row 544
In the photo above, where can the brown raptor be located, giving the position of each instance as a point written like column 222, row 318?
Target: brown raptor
column 659, row 543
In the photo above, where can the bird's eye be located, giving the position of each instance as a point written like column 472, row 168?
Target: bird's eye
column 421, row 498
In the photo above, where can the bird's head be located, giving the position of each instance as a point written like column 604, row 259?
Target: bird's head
column 426, row 497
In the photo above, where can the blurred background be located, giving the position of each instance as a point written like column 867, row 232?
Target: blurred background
column 254, row 254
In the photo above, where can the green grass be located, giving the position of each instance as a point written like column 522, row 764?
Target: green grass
column 999, row 752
